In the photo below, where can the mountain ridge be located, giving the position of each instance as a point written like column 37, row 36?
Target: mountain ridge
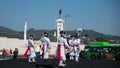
column 39, row 33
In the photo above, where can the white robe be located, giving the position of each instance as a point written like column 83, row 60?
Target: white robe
column 71, row 45
column 76, row 43
column 45, row 47
column 31, row 51
column 62, row 44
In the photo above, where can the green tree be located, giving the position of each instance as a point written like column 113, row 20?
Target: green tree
column 101, row 39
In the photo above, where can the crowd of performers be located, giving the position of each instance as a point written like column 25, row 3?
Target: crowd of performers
column 63, row 47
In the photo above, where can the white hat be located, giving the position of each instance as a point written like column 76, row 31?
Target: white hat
column 79, row 30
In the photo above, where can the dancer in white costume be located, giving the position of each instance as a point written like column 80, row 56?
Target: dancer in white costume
column 31, row 55
column 76, row 48
column 62, row 45
column 71, row 54
column 45, row 46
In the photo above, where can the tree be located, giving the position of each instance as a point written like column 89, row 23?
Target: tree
column 101, row 39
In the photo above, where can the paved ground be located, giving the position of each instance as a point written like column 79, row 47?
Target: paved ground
column 52, row 63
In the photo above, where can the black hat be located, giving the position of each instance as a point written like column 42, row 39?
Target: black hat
column 71, row 36
column 76, row 35
column 31, row 35
column 45, row 33
column 62, row 32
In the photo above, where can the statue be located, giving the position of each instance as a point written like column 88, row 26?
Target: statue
column 60, row 12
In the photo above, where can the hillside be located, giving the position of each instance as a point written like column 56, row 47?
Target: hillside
column 39, row 33
column 7, row 30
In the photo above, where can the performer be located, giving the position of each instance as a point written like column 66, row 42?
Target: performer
column 30, row 52
column 76, row 48
column 45, row 46
column 71, row 54
column 62, row 44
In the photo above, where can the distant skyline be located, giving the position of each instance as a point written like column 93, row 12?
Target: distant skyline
column 102, row 16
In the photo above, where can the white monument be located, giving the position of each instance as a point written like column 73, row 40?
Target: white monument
column 59, row 23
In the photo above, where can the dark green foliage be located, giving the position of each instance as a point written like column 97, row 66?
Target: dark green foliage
column 39, row 33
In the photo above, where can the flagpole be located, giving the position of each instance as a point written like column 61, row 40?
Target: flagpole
column 25, row 31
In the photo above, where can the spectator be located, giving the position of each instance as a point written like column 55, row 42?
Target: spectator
column 10, row 51
column 3, row 53
column 15, row 53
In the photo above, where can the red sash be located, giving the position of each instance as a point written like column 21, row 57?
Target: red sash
column 58, row 55
column 43, row 47
column 26, row 52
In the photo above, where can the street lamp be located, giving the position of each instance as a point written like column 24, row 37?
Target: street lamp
column 66, row 16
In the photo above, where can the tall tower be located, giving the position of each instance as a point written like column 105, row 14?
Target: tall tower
column 59, row 23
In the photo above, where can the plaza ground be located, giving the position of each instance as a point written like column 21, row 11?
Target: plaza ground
column 52, row 63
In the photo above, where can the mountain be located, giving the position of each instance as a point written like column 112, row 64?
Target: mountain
column 7, row 30
column 39, row 33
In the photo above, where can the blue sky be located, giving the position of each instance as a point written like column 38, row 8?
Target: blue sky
column 100, row 15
